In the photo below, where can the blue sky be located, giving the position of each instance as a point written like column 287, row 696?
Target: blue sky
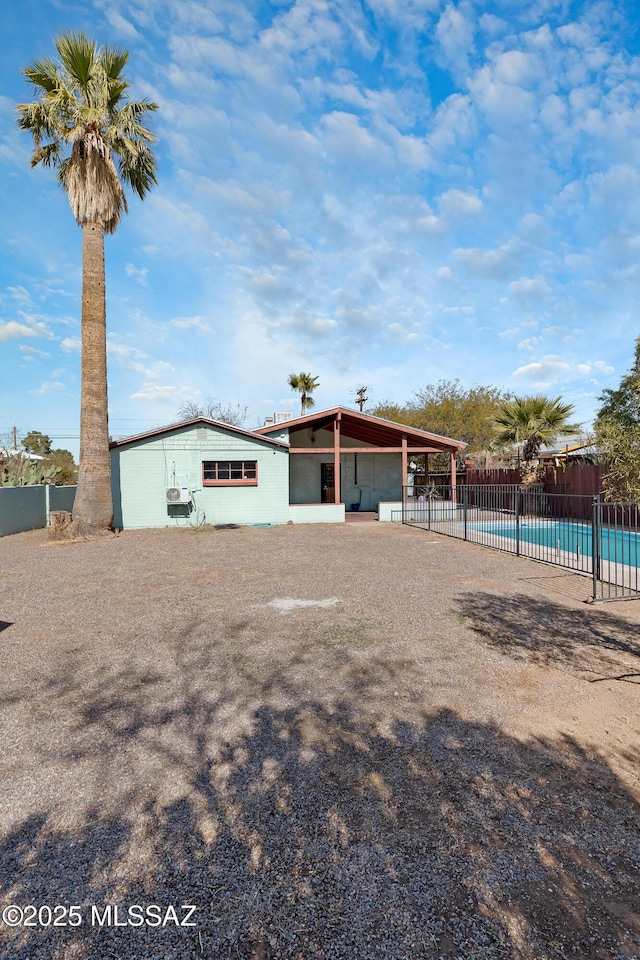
column 377, row 192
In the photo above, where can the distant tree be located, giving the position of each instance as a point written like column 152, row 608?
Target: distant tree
column 233, row 414
column 617, row 430
column 36, row 442
column 305, row 384
column 81, row 123
column 533, row 421
column 451, row 410
column 67, row 470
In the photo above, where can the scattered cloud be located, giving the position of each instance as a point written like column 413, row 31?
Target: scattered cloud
column 411, row 191
column 155, row 392
column 11, row 330
column 140, row 274
column 191, row 323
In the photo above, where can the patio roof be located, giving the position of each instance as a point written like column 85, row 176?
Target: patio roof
column 369, row 430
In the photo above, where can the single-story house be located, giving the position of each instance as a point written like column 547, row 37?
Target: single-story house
column 309, row 469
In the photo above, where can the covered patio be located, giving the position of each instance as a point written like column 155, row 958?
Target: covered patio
column 344, row 457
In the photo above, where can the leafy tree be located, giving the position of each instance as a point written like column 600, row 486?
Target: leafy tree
column 305, row 384
column 533, row 421
column 233, row 414
column 67, row 471
column 623, row 405
column 617, row 430
column 450, row 410
column 38, row 443
column 80, row 121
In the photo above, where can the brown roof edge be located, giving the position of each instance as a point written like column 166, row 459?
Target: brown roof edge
column 171, row 428
column 367, row 418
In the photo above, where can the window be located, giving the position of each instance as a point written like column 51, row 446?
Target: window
column 229, row 473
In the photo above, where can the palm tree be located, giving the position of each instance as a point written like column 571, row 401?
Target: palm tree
column 305, row 384
column 533, row 421
column 82, row 119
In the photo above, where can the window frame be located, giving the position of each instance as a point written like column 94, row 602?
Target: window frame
column 245, row 466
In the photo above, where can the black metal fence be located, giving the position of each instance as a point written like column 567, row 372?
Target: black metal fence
column 581, row 533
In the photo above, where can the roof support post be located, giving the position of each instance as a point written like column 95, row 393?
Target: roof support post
column 453, row 475
column 405, row 466
column 336, row 458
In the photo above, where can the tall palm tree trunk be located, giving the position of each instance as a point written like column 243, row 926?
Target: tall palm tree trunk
column 93, row 507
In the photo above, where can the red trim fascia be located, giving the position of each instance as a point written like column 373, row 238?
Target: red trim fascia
column 230, row 483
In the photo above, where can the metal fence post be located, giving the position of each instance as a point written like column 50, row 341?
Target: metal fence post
column 595, row 546
column 517, row 509
column 464, row 510
column 428, row 508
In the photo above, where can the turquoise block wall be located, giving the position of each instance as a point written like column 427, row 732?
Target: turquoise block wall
column 22, row 508
column 142, row 471
column 379, row 474
column 61, row 498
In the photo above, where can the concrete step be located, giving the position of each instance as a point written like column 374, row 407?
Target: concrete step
column 360, row 516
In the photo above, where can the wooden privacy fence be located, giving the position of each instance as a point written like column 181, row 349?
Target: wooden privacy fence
column 577, row 479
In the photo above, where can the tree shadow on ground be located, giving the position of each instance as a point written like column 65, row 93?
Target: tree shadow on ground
column 314, row 830
column 542, row 631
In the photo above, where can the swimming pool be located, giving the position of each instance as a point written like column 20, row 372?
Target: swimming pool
column 617, row 546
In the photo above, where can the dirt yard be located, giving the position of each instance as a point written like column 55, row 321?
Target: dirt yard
column 436, row 755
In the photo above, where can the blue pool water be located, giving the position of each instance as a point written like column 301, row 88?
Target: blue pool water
column 618, row 546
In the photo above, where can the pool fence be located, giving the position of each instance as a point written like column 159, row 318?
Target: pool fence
column 584, row 534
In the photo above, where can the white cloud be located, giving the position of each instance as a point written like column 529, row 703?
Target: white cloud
column 191, row 323
column 529, row 344
column 545, row 371
column 71, row 344
column 459, row 203
column 498, row 263
column 347, row 140
column 139, row 273
column 312, row 326
column 530, row 292
column 50, row 386
column 30, row 353
column 135, row 359
column 11, row 330
column 155, row 392
column 454, row 35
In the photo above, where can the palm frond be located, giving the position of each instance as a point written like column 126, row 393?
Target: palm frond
column 43, row 74
column 48, row 156
column 138, row 169
column 81, row 101
column 115, row 60
column 78, row 55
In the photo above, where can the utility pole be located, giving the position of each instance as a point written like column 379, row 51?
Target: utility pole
column 361, row 399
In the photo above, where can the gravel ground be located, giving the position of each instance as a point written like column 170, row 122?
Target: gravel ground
column 436, row 756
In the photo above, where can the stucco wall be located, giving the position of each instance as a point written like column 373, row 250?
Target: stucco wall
column 142, row 471
column 379, row 478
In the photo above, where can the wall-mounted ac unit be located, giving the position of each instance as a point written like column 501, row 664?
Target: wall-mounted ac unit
column 178, row 495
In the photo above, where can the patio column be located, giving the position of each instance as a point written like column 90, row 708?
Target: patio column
column 336, row 458
column 404, row 464
column 453, row 476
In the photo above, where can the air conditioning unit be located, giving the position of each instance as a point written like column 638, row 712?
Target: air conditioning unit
column 281, row 416
column 178, row 495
